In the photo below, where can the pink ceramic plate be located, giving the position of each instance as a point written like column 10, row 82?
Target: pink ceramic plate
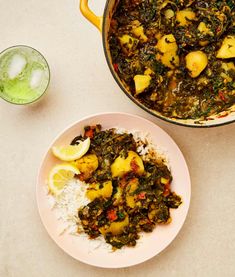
column 79, row 247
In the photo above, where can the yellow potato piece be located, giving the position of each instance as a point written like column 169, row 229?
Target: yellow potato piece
column 128, row 42
column 184, row 17
column 87, row 164
column 115, row 228
column 164, row 181
column 227, row 49
column 148, row 71
column 141, row 82
column 139, row 32
column 94, row 191
column 133, row 162
column 170, row 59
column 203, row 42
column 196, row 62
column 202, row 28
column 226, row 67
column 168, row 51
column 167, row 44
column 130, row 201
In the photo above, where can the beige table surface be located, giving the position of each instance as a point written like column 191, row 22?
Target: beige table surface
column 81, row 84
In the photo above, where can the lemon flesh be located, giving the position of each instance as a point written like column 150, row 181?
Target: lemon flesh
column 59, row 176
column 71, row 152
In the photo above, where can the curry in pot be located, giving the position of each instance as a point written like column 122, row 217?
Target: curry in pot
column 176, row 57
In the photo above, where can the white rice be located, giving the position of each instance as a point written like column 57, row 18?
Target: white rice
column 73, row 196
column 145, row 146
column 67, row 203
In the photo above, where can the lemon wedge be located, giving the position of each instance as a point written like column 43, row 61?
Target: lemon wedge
column 71, row 152
column 59, row 176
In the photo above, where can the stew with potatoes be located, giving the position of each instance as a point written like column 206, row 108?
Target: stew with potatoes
column 176, row 57
column 129, row 187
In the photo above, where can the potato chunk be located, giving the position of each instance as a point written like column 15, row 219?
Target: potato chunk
column 148, row 71
column 139, row 32
column 122, row 165
column 128, row 43
column 115, row 228
column 167, row 44
column 99, row 190
column 202, row 28
column 168, row 51
column 170, row 59
column 87, row 165
column 196, row 62
column 227, row 49
column 184, row 17
column 141, row 82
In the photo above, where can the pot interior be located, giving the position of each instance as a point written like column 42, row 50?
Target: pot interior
column 215, row 120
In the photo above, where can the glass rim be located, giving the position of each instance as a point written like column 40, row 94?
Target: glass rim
column 49, row 74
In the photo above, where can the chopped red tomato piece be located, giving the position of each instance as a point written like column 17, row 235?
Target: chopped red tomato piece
column 221, row 96
column 115, row 66
column 94, row 227
column 112, row 215
column 166, row 191
column 142, row 195
column 134, row 165
column 89, row 133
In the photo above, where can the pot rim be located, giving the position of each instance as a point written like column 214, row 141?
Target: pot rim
column 199, row 124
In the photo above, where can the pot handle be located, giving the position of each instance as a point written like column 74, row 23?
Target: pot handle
column 94, row 19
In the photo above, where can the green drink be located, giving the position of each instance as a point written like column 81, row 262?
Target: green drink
column 24, row 75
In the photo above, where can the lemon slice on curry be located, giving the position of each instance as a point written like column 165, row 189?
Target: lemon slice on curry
column 71, row 152
column 59, row 176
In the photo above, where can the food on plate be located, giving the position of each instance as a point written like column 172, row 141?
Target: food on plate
column 87, row 165
column 127, row 186
column 59, row 176
column 71, row 152
column 172, row 56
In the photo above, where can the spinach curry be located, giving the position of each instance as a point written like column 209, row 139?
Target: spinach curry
column 176, row 56
column 128, row 194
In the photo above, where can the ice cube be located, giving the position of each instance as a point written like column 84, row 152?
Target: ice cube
column 36, row 78
column 16, row 66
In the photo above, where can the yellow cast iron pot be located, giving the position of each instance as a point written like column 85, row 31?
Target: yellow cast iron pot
column 103, row 23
